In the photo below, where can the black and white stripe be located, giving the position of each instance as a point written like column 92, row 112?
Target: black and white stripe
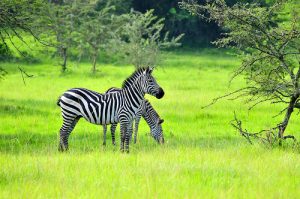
column 110, row 108
column 146, row 111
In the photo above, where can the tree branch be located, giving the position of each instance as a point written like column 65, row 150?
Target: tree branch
column 24, row 73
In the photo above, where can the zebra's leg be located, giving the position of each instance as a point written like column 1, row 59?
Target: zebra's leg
column 127, row 137
column 122, row 135
column 65, row 130
column 137, row 121
column 104, row 134
column 113, row 131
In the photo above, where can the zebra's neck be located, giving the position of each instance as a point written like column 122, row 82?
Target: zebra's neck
column 134, row 93
column 149, row 121
column 150, row 116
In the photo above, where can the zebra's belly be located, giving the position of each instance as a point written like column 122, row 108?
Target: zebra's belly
column 102, row 121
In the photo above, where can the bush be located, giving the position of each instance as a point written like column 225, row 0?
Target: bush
column 5, row 53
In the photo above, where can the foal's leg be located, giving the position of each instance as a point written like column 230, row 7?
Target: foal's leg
column 122, row 135
column 104, row 134
column 113, row 131
column 127, row 137
column 136, row 124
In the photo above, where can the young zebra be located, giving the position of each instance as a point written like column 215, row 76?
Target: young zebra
column 109, row 108
column 149, row 114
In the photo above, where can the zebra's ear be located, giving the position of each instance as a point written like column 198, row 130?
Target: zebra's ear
column 160, row 121
column 150, row 68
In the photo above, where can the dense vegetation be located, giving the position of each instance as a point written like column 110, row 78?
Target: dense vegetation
column 83, row 29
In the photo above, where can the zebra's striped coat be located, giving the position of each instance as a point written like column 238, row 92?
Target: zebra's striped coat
column 146, row 111
column 107, row 108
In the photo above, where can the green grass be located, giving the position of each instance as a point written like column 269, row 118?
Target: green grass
column 203, row 157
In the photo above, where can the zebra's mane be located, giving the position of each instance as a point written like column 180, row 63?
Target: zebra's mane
column 128, row 82
column 153, row 114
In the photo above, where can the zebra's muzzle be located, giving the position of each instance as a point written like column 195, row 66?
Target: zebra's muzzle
column 160, row 93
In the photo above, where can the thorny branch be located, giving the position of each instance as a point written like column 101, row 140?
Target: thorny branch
column 268, row 136
column 24, row 73
column 226, row 95
column 270, row 52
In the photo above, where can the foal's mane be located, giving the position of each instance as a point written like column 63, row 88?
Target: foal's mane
column 148, row 105
column 129, row 80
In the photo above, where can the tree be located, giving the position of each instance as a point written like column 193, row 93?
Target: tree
column 18, row 17
column 97, row 27
column 62, row 27
column 63, row 18
column 270, row 53
column 143, row 40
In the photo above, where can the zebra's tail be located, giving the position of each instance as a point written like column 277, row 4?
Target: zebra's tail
column 58, row 101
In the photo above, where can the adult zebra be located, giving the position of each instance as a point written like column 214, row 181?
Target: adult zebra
column 146, row 111
column 108, row 108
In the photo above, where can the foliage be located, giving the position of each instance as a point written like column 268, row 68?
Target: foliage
column 5, row 52
column 143, row 40
column 270, row 50
column 2, row 73
column 17, row 17
column 120, row 6
column 61, row 27
column 98, row 26
column 198, row 32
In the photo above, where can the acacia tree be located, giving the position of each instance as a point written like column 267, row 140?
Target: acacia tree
column 62, row 17
column 63, row 25
column 143, row 40
column 17, row 18
column 97, row 27
column 270, row 53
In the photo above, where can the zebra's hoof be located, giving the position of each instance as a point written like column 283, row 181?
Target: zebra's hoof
column 62, row 148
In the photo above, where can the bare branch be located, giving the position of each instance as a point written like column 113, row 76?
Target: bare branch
column 224, row 96
column 24, row 73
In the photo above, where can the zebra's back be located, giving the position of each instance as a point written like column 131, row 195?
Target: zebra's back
column 94, row 107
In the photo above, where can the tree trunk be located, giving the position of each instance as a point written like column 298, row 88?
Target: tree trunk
column 289, row 111
column 64, row 54
column 94, row 62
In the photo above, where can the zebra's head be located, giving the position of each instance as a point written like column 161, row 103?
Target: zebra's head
column 150, row 85
column 157, row 131
column 147, row 82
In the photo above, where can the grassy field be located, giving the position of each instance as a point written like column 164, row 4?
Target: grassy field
column 203, row 157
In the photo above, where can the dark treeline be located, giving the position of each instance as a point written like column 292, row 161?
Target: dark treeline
column 198, row 32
